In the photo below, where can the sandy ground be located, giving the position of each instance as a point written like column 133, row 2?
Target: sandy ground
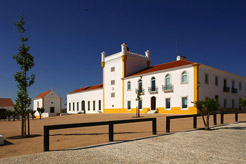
column 79, row 137
column 221, row 144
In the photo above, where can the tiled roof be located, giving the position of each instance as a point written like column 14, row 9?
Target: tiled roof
column 43, row 94
column 88, row 88
column 6, row 102
column 163, row 67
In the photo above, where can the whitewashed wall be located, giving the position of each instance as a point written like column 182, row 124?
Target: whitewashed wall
column 210, row 89
column 180, row 90
column 7, row 108
column 37, row 103
column 52, row 100
column 91, row 95
column 135, row 63
column 113, row 102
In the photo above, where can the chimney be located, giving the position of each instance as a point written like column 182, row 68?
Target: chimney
column 124, row 48
column 103, row 54
column 147, row 54
column 181, row 58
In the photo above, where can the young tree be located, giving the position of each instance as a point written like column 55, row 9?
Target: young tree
column 40, row 111
column 207, row 106
column 32, row 113
column 9, row 113
column 26, row 62
column 139, row 98
column 242, row 103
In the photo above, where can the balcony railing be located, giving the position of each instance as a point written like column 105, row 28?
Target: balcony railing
column 233, row 90
column 142, row 91
column 167, row 88
column 226, row 89
column 153, row 89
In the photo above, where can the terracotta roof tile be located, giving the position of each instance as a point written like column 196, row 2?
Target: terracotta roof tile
column 43, row 94
column 163, row 67
column 6, row 102
column 88, row 88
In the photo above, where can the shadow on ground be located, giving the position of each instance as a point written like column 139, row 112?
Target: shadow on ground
column 154, row 136
column 75, row 134
column 6, row 143
column 19, row 136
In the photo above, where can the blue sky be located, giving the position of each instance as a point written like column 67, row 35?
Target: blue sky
column 67, row 37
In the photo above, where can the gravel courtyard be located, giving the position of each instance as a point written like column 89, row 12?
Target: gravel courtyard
column 222, row 144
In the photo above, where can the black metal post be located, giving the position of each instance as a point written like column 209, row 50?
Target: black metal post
column 154, row 126
column 215, row 119
column 236, row 117
column 222, row 118
column 111, row 132
column 195, row 122
column 167, row 124
column 46, row 139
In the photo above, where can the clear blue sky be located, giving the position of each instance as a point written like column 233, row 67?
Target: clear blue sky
column 67, row 37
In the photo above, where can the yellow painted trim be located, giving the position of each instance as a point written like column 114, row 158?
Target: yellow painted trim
column 124, row 58
column 43, row 102
column 103, row 91
column 196, row 88
column 173, row 110
column 102, row 64
column 120, row 110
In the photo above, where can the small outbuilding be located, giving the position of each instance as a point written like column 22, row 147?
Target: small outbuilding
column 50, row 101
column 5, row 104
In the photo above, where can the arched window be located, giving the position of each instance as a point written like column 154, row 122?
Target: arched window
column 168, row 81
column 184, row 77
column 153, row 84
column 140, row 85
column 128, row 85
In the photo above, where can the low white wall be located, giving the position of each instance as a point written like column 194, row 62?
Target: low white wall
column 75, row 99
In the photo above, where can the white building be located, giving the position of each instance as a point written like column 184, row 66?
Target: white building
column 50, row 101
column 171, row 87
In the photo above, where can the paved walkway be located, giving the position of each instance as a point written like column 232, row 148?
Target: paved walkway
column 223, row 144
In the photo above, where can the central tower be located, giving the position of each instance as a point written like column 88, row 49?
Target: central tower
column 115, row 68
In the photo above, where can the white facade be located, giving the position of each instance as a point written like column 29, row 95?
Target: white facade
column 50, row 101
column 179, row 89
column 167, row 88
column 91, row 101
column 213, row 89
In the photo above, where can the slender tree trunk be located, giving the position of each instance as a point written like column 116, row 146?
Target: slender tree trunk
column 28, row 120
column 207, row 126
column 25, row 124
column 203, row 119
column 22, row 124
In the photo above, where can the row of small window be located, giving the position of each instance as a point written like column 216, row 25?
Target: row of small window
column 216, row 82
column 184, row 79
column 167, row 103
column 72, row 106
column 232, row 104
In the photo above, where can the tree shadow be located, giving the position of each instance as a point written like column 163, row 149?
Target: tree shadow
column 20, row 137
column 95, row 134
column 6, row 143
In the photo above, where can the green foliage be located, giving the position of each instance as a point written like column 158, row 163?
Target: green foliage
column 26, row 61
column 208, row 106
column 9, row 113
column 32, row 113
column 40, row 111
column 139, row 98
column 211, row 105
column 242, row 103
column 199, row 104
